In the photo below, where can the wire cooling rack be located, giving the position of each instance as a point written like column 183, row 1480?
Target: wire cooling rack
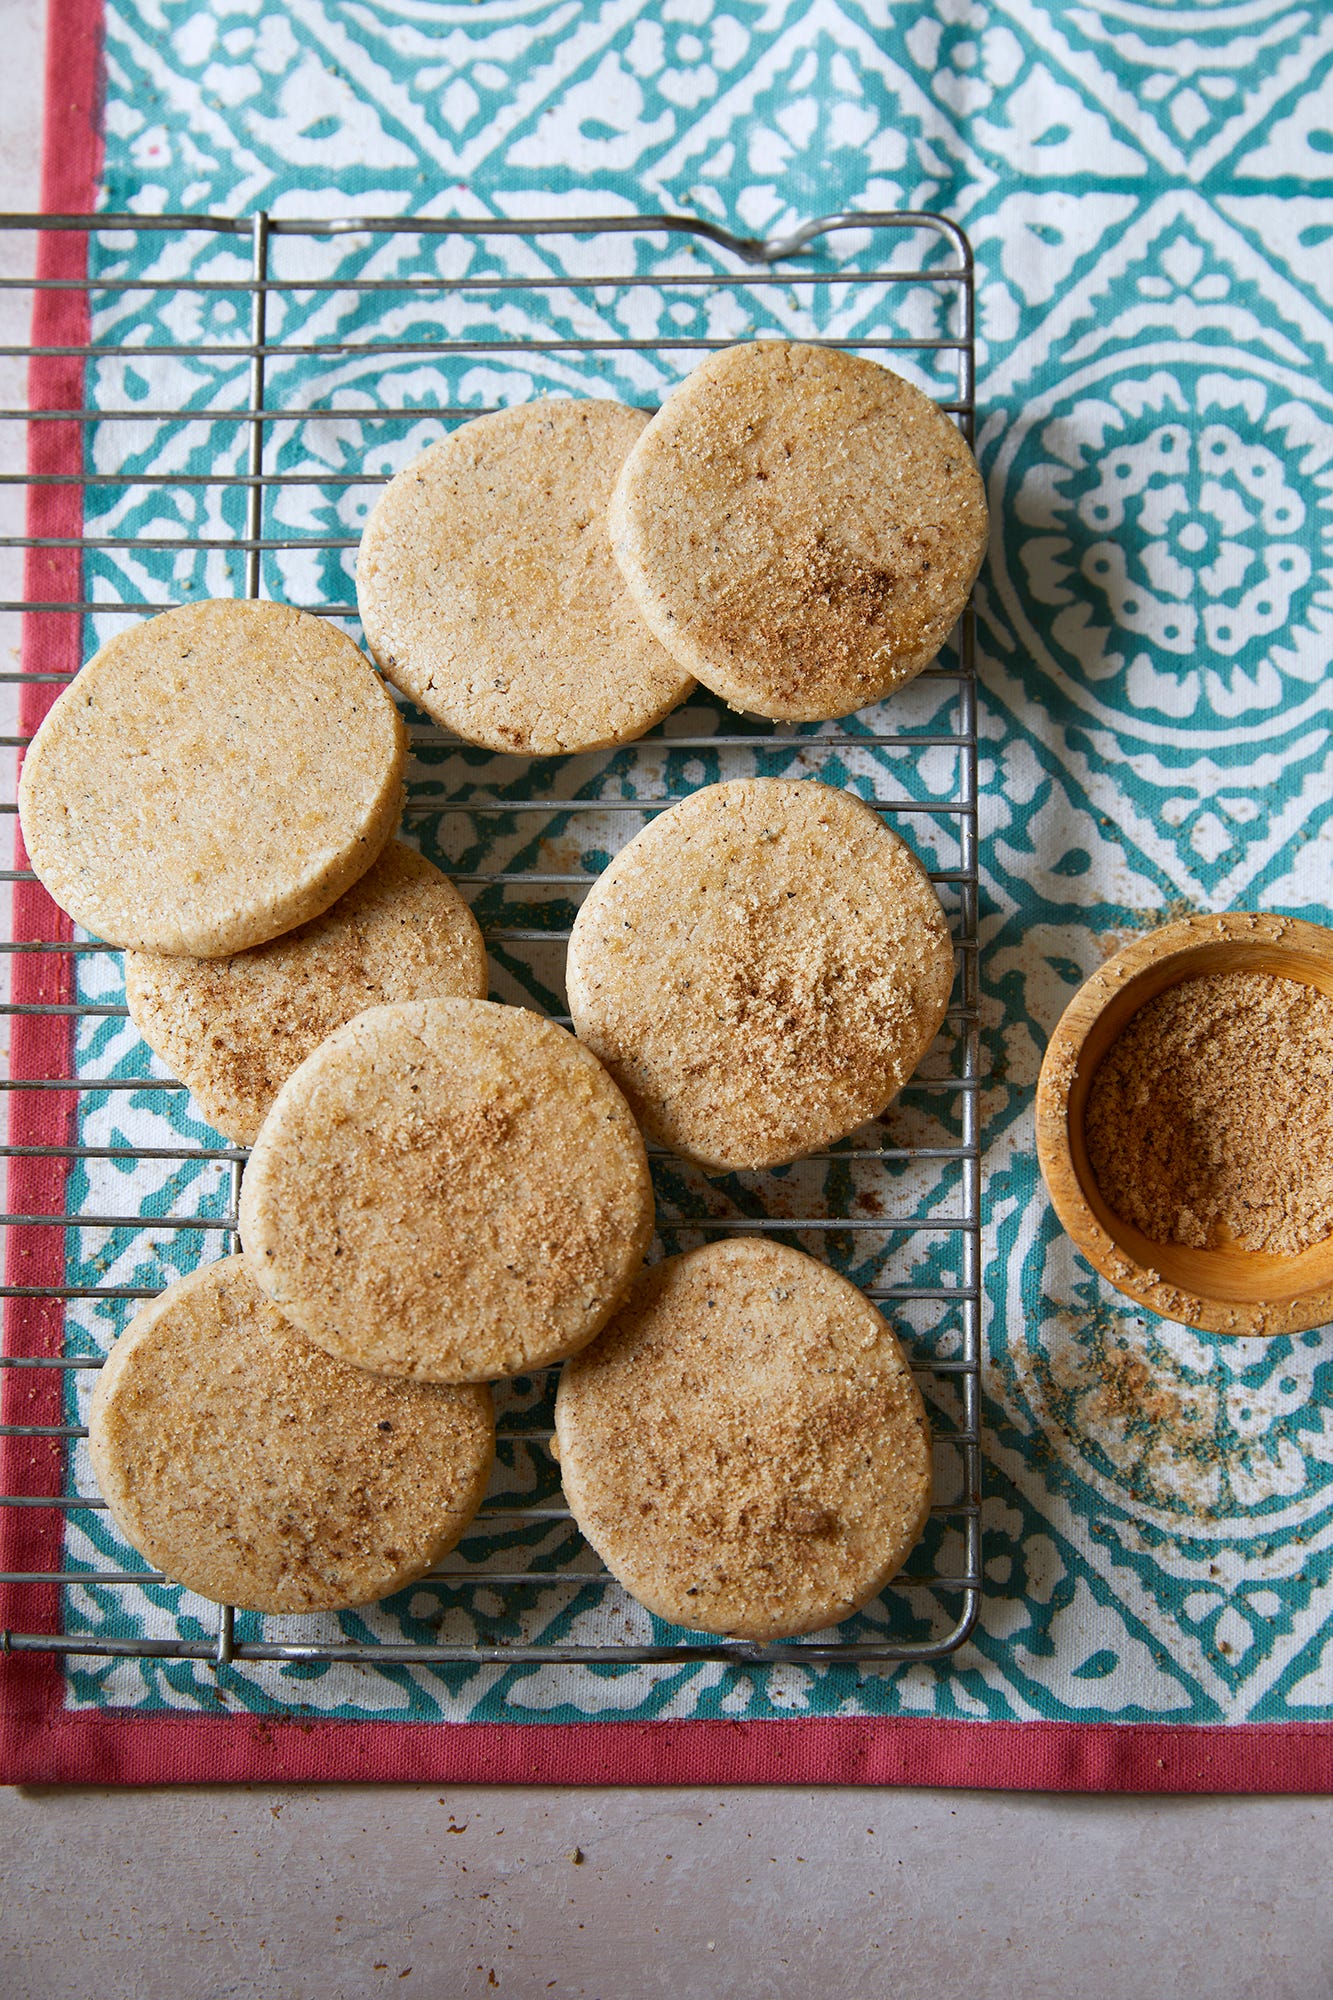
column 214, row 403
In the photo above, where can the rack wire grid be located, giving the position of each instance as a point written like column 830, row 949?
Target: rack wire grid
column 214, row 404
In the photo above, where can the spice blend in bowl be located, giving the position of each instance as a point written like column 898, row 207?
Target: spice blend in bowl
column 1185, row 1122
column 1210, row 1118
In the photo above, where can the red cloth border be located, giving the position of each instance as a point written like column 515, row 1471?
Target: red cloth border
column 132, row 1749
column 40, row 1743
column 41, row 1045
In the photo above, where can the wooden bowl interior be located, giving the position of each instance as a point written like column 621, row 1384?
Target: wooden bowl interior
column 1232, row 1275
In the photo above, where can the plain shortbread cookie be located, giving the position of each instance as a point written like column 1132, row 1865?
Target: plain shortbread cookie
column 800, row 528
column 259, row 1472
column 761, row 969
column 213, row 778
column 448, row 1189
column 744, row 1445
column 489, row 594
column 235, row 1028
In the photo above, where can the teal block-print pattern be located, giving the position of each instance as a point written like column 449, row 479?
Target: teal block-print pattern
column 1147, row 187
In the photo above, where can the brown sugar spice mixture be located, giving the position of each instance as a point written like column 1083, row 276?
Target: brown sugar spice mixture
column 1210, row 1119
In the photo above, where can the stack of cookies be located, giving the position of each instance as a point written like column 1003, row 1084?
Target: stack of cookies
column 444, row 1191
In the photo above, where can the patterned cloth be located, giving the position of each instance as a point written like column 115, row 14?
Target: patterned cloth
column 1146, row 187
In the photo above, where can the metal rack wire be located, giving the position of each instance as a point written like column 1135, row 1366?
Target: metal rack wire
column 217, row 400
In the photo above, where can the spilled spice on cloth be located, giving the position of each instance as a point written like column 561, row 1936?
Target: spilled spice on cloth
column 1210, row 1118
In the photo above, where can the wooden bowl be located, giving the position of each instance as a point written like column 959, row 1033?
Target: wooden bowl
column 1230, row 1290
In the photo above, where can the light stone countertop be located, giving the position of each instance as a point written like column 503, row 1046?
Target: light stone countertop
column 334, row 1892
column 329, row 1893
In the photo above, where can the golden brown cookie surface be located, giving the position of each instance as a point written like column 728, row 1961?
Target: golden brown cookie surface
column 800, row 528
column 212, row 778
column 260, row 1472
column 448, row 1189
column 761, row 969
column 234, row 1029
column 744, row 1445
column 489, row 593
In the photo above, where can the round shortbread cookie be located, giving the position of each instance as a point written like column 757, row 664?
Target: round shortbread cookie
column 448, row 1189
column 761, row 969
column 800, row 528
column 260, row 1472
column 744, row 1445
column 234, row 1029
column 489, row 593
column 213, row 778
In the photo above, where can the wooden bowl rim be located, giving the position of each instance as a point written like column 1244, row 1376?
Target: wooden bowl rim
column 1238, row 1292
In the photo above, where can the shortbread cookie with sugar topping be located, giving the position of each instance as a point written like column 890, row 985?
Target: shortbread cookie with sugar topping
column 800, row 528
column 744, row 1445
column 489, row 593
column 212, row 778
column 234, row 1029
column 260, row 1472
column 448, row 1189
column 761, row 969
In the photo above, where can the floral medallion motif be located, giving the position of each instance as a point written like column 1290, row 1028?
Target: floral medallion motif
column 1186, row 571
column 1174, row 546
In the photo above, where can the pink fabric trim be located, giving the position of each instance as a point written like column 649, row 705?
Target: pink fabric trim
column 41, row 1044
column 129, row 1749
